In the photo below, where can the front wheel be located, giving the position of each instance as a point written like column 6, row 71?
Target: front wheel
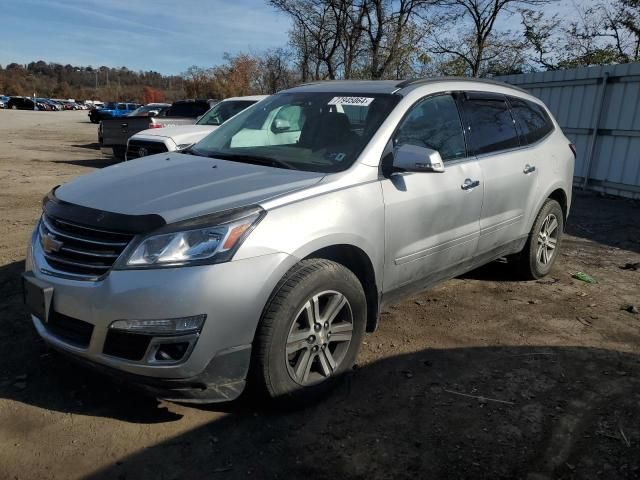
column 542, row 247
column 119, row 152
column 310, row 332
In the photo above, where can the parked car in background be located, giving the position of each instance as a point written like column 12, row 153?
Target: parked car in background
column 148, row 142
column 112, row 110
column 3, row 101
column 20, row 103
column 150, row 110
column 114, row 133
column 264, row 252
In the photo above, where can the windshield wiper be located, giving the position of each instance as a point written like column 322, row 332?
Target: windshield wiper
column 190, row 151
column 255, row 159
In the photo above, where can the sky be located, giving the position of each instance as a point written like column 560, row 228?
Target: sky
column 166, row 36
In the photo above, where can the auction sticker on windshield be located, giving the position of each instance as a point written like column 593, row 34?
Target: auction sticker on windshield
column 358, row 101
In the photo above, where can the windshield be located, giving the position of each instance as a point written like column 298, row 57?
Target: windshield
column 321, row 132
column 223, row 111
column 110, row 106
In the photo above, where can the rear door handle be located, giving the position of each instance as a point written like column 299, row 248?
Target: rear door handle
column 529, row 169
column 470, row 184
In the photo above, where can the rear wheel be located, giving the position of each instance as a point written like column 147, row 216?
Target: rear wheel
column 310, row 332
column 542, row 247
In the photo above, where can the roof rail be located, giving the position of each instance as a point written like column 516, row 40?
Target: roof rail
column 426, row 80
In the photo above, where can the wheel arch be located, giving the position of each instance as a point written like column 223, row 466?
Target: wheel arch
column 560, row 196
column 358, row 262
column 557, row 192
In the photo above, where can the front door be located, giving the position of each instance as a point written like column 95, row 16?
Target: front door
column 431, row 219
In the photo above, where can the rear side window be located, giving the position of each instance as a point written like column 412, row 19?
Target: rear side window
column 532, row 119
column 491, row 125
column 434, row 123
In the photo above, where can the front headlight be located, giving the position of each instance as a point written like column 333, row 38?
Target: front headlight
column 211, row 244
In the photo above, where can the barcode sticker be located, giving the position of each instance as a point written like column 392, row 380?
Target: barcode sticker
column 356, row 101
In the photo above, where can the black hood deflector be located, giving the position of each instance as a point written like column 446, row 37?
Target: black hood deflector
column 99, row 219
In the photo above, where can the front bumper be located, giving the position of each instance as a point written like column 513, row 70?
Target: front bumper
column 231, row 294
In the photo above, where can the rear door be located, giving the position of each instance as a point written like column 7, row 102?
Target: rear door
column 509, row 177
column 431, row 219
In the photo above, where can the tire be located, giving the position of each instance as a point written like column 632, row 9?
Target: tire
column 119, row 152
column 537, row 258
column 282, row 375
column 13, row 107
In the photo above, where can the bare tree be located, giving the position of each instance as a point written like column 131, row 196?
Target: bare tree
column 540, row 33
column 319, row 24
column 477, row 43
column 354, row 38
column 600, row 33
column 391, row 32
column 274, row 71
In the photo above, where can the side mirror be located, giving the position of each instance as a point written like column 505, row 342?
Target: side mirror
column 280, row 125
column 153, row 113
column 411, row 158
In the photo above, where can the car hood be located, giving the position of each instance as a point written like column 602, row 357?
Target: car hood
column 179, row 134
column 181, row 186
column 177, row 130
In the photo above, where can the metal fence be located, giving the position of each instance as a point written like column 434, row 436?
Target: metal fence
column 597, row 108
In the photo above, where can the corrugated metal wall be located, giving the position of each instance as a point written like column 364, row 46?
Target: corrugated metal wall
column 597, row 108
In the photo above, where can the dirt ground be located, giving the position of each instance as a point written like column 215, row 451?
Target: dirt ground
column 481, row 377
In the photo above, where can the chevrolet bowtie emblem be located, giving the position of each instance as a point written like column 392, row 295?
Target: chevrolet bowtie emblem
column 50, row 244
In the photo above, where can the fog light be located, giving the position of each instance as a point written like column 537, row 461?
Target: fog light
column 171, row 351
column 165, row 326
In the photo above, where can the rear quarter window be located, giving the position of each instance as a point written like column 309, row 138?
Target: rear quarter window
column 533, row 120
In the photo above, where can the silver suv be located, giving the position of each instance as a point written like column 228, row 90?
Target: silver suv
column 266, row 251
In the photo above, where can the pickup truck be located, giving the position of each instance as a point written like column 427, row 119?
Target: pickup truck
column 112, row 110
column 178, row 137
column 114, row 133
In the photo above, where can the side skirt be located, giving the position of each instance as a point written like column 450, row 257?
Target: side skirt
column 394, row 296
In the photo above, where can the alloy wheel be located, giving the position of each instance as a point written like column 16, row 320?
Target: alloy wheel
column 547, row 240
column 319, row 338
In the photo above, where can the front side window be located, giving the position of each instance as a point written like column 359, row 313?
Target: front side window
column 434, row 123
column 122, row 106
column 491, row 126
column 532, row 119
column 313, row 131
column 223, row 111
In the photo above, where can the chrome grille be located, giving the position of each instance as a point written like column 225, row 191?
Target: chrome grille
column 79, row 250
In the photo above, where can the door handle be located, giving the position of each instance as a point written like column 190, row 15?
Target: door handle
column 529, row 169
column 470, row 184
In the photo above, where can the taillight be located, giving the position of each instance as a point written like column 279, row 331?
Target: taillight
column 155, row 125
column 573, row 149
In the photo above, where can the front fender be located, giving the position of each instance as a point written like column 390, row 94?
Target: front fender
column 350, row 216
